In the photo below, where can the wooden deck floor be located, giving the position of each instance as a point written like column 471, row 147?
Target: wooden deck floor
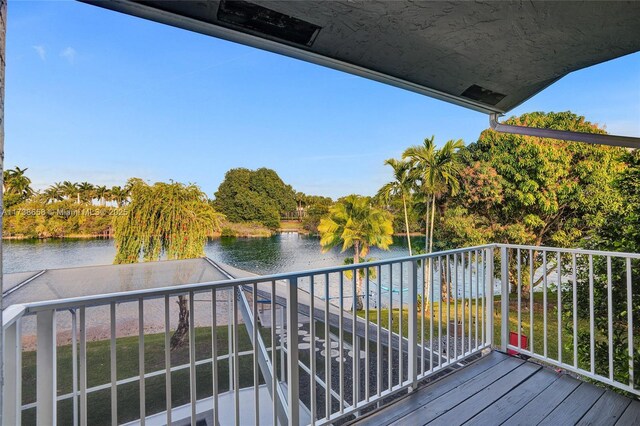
column 501, row 389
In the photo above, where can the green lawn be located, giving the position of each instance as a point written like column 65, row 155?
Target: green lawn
column 98, row 372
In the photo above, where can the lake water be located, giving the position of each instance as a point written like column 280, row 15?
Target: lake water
column 287, row 252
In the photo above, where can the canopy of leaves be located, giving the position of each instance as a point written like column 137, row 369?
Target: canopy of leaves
column 170, row 219
column 529, row 190
column 259, row 196
column 354, row 222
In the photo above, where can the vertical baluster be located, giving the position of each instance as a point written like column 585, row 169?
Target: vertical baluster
column 484, row 294
column 355, row 372
column 167, row 359
column 422, row 312
column 630, row 321
column 531, row 268
column 236, row 354
column 575, row 310
column 340, row 341
column 504, row 297
column 477, row 315
column 192, row 358
column 46, row 367
column 610, row 316
column 591, row 318
column 442, row 280
column 229, row 338
column 489, row 303
column 519, row 299
column 448, row 324
column 214, row 356
column 113, row 370
column 390, row 332
column 432, row 272
column 470, row 302
column 463, row 321
column 83, row 367
column 141, row 361
column 379, row 337
column 366, row 337
column 12, row 389
column 544, row 301
column 74, row 364
column 412, row 340
column 559, row 290
column 256, row 378
column 327, row 357
column 400, row 332
column 455, row 306
column 293, row 386
column 312, row 350
column 274, row 355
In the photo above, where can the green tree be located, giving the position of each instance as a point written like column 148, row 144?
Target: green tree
column 535, row 191
column 16, row 186
column 436, row 173
column 254, row 196
column 354, row 223
column 401, row 186
column 165, row 219
column 316, row 208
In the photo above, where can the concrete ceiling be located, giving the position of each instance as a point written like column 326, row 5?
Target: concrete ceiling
column 488, row 56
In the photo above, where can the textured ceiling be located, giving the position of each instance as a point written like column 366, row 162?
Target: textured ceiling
column 441, row 49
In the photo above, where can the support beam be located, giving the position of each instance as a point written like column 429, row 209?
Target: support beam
column 3, row 33
column 593, row 138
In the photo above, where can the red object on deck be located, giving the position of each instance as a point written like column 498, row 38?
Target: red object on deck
column 513, row 340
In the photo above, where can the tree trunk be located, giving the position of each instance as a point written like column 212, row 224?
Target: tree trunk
column 406, row 223
column 427, row 264
column 180, row 335
column 357, row 298
column 433, row 219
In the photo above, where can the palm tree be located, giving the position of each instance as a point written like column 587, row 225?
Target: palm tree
column 400, row 186
column 52, row 194
column 70, row 189
column 354, row 223
column 16, row 182
column 169, row 219
column 102, row 192
column 119, row 195
column 85, row 192
column 436, row 172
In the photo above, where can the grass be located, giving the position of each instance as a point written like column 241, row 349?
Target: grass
column 99, row 370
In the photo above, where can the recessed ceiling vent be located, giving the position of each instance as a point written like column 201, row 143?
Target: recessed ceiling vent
column 266, row 22
column 480, row 94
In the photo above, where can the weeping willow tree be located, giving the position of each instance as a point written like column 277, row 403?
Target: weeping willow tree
column 169, row 220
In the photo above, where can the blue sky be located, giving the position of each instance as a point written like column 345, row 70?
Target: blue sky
column 99, row 96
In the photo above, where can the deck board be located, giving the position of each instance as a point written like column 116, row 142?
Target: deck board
column 474, row 404
column 445, row 402
column 631, row 415
column 571, row 410
column 431, row 392
column 499, row 389
column 606, row 411
column 513, row 401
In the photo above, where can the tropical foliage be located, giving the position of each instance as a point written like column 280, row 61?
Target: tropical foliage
column 169, row 220
column 354, row 223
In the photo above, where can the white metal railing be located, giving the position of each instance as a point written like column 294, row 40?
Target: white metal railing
column 588, row 300
column 320, row 360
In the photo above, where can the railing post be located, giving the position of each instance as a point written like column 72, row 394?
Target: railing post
column 12, row 385
column 293, row 390
column 46, row 392
column 504, row 297
column 489, row 294
column 413, row 324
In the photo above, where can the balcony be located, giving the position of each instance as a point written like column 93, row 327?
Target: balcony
column 288, row 349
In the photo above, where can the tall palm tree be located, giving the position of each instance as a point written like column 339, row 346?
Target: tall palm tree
column 16, row 182
column 400, row 186
column 52, row 194
column 70, row 189
column 102, row 192
column 169, row 219
column 119, row 195
column 85, row 191
column 436, row 172
column 354, row 223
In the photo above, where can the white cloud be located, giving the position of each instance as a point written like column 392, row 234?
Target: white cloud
column 42, row 53
column 69, row 53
